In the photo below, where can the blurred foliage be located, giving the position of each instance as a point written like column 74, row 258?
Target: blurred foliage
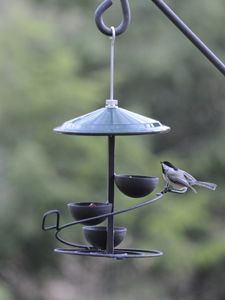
column 54, row 66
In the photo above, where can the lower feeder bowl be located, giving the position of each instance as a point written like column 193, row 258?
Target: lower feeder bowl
column 136, row 186
column 97, row 235
column 86, row 210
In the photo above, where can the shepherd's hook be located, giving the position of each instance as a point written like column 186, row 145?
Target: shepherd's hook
column 123, row 25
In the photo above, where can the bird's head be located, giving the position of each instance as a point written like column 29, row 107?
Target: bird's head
column 166, row 165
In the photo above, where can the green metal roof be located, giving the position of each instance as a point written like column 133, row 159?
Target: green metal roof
column 112, row 120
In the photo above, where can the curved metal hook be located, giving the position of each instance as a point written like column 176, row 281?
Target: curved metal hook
column 123, row 25
column 48, row 213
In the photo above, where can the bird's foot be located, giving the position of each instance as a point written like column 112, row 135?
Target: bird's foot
column 168, row 189
column 165, row 190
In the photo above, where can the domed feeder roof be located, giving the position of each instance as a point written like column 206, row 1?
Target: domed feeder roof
column 112, row 120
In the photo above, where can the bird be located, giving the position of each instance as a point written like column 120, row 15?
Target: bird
column 179, row 181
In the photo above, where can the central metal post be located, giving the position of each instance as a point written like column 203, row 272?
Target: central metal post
column 111, row 158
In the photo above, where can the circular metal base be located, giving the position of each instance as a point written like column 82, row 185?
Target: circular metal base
column 117, row 254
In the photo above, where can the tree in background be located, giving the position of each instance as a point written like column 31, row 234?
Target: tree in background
column 53, row 67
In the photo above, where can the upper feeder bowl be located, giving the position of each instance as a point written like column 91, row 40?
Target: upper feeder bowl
column 85, row 210
column 97, row 235
column 136, row 186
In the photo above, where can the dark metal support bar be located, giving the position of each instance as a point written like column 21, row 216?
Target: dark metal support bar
column 170, row 14
column 111, row 154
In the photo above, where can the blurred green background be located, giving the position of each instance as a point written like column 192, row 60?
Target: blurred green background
column 54, row 65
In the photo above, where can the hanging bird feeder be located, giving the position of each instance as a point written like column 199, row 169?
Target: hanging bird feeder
column 111, row 121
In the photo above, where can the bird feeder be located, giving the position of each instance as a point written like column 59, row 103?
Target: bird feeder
column 111, row 121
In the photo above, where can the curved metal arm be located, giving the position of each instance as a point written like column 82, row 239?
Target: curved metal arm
column 114, row 213
column 170, row 14
column 78, row 246
column 123, row 25
column 48, row 213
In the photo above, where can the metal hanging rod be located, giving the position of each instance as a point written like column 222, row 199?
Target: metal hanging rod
column 170, row 14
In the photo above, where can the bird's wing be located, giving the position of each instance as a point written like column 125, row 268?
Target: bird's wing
column 179, row 179
column 190, row 179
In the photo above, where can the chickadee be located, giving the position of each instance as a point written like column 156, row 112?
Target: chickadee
column 179, row 181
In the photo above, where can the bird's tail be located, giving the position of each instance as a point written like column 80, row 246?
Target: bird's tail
column 208, row 185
